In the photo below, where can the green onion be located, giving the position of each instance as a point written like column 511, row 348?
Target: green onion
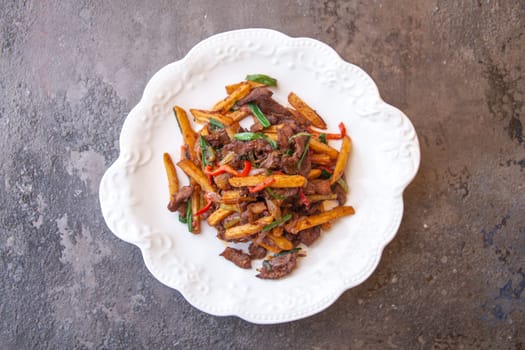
column 325, row 174
column 215, row 124
column 288, row 152
column 262, row 78
column 183, row 219
column 267, row 264
column 208, row 155
column 231, row 207
column 249, row 136
column 287, row 252
column 273, row 194
column 305, row 151
column 276, row 223
column 189, row 216
column 322, row 138
column 231, row 222
column 259, row 114
column 299, row 134
column 227, row 158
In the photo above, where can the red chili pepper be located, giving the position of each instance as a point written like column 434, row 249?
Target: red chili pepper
column 262, row 185
column 228, row 169
column 330, row 136
column 206, row 207
column 207, row 171
column 303, row 197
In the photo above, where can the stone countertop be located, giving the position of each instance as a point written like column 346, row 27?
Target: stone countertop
column 453, row 277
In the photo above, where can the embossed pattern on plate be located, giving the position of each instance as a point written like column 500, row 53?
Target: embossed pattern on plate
column 133, row 191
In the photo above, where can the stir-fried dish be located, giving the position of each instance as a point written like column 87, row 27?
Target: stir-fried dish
column 275, row 185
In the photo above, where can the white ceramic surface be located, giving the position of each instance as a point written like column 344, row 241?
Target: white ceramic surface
column 385, row 158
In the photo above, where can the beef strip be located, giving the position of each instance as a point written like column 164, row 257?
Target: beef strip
column 238, row 257
column 180, row 198
column 310, row 235
column 278, row 266
column 270, row 107
column 272, row 161
column 341, row 194
column 321, row 186
column 217, row 138
column 283, row 137
column 256, row 251
column 256, row 94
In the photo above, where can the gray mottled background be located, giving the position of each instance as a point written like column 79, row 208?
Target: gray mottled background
column 454, row 276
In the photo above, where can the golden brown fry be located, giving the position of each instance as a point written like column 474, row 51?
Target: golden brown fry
column 203, row 116
column 229, row 101
column 281, row 242
column 196, row 174
column 277, row 231
column 231, row 130
column 195, row 206
column 187, row 132
column 232, row 87
column 314, row 220
column 270, row 248
column 342, row 159
column 257, row 207
column 173, row 180
column 238, row 115
column 319, row 158
column 280, row 181
column 272, row 129
column 318, row 146
column 314, row 174
column 321, row 197
column 218, row 215
column 234, row 197
column 306, row 111
column 242, row 231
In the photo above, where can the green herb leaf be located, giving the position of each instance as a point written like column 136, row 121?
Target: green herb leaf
column 259, row 114
column 287, row 252
column 276, row 223
column 322, row 138
column 325, row 174
column 262, row 78
column 182, row 218
column 189, row 216
column 215, row 124
column 305, row 151
column 249, row 136
column 273, row 194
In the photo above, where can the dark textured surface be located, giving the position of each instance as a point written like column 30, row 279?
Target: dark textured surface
column 454, row 276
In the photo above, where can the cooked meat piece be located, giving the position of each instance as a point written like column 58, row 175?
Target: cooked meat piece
column 256, row 251
column 217, row 138
column 309, row 236
column 279, row 266
column 309, row 188
column 306, row 165
column 180, row 198
column 242, row 148
column 222, row 181
column 297, row 117
column 314, row 208
column 246, row 217
column 256, row 95
column 341, row 194
column 256, row 127
column 289, row 165
column 321, row 186
column 270, row 107
column 283, row 137
column 238, row 257
column 272, row 161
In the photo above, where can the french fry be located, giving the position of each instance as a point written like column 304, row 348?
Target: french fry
column 320, row 158
column 306, row 111
column 232, row 87
column 270, row 248
column 305, row 222
column 272, row 129
column 342, row 159
column 238, row 115
column 229, row 101
column 173, row 180
column 218, row 215
column 186, row 130
column 234, row 197
column 257, row 207
column 231, row 130
column 314, row 174
column 281, row 181
column 203, row 116
column 281, row 242
column 195, row 173
column 246, row 230
column 195, row 206
column 277, row 231
column 319, row 147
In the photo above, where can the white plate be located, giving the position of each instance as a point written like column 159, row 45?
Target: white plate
column 385, row 158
